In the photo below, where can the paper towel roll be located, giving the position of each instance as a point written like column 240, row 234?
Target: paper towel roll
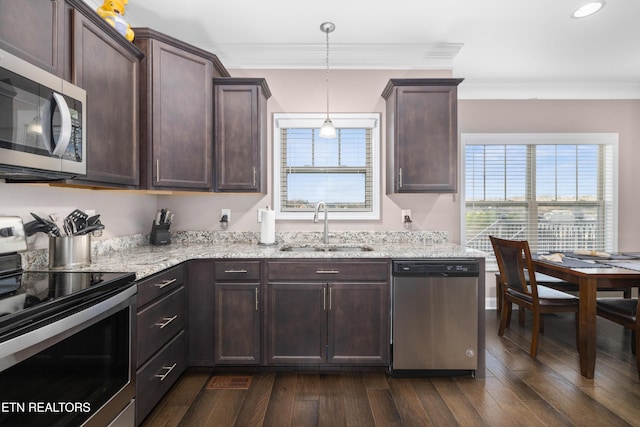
column 268, row 229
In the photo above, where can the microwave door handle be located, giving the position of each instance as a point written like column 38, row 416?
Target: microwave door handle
column 47, row 137
column 65, row 125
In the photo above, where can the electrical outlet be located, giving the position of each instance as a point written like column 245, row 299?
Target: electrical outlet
column 226, row 212
column 259, row 215
column 405, row 213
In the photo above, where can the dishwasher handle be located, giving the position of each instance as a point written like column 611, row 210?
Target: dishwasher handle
column 436, row 268
column 432, row 274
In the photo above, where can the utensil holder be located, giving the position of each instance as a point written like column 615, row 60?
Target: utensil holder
column 160, row 234
column 69, row 251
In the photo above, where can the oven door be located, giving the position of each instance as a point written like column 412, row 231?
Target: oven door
column 77, row 370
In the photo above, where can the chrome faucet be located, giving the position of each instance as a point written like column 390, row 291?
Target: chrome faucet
column 326, row 219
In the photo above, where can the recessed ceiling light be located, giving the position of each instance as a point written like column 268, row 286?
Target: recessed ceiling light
column 588, row 9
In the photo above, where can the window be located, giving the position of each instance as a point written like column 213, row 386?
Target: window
column 343, row 172
column 558, row 191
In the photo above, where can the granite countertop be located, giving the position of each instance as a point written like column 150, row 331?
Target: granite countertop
column 135, row 254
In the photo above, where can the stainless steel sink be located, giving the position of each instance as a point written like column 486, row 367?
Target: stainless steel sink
column 302, row 249
column 323, row 248
column 350, row 249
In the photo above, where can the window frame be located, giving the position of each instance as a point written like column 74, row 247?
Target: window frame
column 610, row 139
column 340, row 120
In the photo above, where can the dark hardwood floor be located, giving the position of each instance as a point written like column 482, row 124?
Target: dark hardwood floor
column 517, row 390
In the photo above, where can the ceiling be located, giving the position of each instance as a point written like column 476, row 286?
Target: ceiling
column 503, row 48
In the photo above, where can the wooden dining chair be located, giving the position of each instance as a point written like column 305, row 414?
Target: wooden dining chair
column 625, row 312
column 514, row 258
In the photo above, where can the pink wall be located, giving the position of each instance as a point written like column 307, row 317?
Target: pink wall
column 359, row 91
column 615, row 116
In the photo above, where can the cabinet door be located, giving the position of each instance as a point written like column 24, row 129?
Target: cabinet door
column 181, row 113
column 237, row 323
column 200, row 308
column 296, row 323
column 422, row 135
column 33, row 30
column 109, row 74
column 358, row 323
column 240, row 134
column 427, row 142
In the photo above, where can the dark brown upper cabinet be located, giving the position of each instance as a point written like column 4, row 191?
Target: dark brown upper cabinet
column 240, row 134
column 422, row 135
column 176, row 113
column 34, row 30
column 106, row 65
column 70, row 40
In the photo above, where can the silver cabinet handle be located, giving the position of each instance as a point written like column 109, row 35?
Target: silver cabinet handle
column 254, row 176
column 329, row 297
column 169, row 369
column 157, row 170
column 327, row 271
column 257, row 299
column 324, row 297
column 167, row 320
column 165, row 283
column 243, row 271
column 400, row 178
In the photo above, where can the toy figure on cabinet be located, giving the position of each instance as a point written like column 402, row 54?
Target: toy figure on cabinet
column 113, row 11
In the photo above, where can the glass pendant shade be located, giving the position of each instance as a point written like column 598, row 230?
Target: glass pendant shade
column 328, row 130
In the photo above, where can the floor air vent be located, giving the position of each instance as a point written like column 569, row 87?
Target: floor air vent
column 229, row 382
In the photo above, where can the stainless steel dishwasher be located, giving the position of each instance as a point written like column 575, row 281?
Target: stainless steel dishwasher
column 435, row 316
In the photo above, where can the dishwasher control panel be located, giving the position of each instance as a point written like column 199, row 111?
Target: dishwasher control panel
column 440, row 267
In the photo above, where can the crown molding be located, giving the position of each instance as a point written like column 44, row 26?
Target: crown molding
column 532, row 89
column 392, row 56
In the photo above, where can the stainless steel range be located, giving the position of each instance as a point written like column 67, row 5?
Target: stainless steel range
column 66, row 354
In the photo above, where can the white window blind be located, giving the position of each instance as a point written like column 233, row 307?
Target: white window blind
column 336, row 171
column 341, row 172
column 558, row 191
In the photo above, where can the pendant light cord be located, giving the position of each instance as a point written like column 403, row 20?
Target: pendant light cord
column 327, row 76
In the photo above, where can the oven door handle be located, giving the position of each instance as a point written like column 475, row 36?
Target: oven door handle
column 15, row 350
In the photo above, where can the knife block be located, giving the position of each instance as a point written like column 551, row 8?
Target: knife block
column 160, row 234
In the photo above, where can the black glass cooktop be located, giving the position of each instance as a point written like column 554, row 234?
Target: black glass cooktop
column 29, row 294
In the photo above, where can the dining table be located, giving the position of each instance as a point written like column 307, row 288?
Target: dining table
column 590, row 276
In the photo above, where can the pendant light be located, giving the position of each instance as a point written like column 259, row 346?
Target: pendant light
column 328, row 130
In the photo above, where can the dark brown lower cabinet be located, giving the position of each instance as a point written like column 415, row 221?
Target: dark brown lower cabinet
column 357, row 323
column 237, row 314
column 312, row 320
column 237, row 324
column 200, row 313
column 160, row 337
column 296, row 323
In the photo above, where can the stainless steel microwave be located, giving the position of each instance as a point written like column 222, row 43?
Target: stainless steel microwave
column 42, row 123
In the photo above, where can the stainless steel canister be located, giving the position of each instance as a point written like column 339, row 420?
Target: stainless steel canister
column 69, row 251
